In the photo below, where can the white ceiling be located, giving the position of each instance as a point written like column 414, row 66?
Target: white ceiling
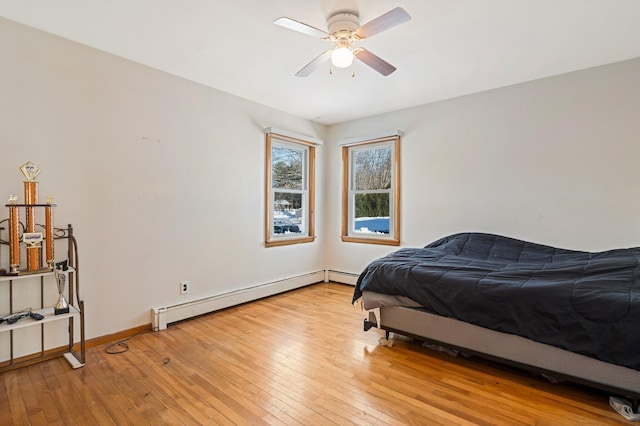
column 449, row 48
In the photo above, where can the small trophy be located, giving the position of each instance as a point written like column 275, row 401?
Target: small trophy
column 62, row 307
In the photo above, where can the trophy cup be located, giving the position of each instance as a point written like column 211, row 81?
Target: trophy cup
column 62, row 307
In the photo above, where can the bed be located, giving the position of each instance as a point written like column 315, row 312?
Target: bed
column 567, row 314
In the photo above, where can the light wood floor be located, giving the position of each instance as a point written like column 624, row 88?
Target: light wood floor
column 295, row 358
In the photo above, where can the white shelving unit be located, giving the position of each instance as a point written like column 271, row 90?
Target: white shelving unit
column 9, row 288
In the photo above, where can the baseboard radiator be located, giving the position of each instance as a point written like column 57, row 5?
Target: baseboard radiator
column 341, row 277
column 162, row 316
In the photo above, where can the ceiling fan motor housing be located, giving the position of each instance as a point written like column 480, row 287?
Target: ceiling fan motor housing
column 343, row 24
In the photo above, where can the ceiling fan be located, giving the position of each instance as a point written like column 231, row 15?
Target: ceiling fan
column 344, row 31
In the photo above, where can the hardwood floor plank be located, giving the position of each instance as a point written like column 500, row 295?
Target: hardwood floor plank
column 297, row 358
column 242, row 387
column 237, row 392
column 180, row 394
column 166, row 401
column 17, row 408
column 285, row 363
column 48, row 407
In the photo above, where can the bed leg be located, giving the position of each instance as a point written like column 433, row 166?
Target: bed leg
column 373, row 319
column 626, row 406
column 386, row 334
column 369, row 324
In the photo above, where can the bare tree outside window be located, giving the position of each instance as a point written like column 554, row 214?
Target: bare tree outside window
column 286, row 167
column 372, row 168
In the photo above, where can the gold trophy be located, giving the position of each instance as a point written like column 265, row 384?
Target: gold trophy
column 62, row 307
column 34, row 241
column 30, row 171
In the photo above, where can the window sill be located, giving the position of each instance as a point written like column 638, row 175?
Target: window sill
column 276, row 243
column 386, row 242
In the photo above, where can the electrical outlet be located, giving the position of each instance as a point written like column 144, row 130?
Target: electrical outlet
column 184, row 287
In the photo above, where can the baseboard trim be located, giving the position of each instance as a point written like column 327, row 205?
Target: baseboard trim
column 114, row 337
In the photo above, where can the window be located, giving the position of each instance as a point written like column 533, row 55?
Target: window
column 371, row 192
column 290, row 194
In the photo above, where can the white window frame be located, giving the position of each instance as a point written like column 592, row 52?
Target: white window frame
column 307, row 192
column 349, row 193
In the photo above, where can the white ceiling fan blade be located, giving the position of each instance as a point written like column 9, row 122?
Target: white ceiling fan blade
column 383, row 22
column 300, row 27
column 375, row 62
column 313, row 65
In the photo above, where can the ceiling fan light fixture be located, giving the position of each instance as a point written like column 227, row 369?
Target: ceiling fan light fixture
column 342, row 57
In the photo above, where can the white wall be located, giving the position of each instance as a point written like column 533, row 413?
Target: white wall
column 556, row 161
column 162, row 178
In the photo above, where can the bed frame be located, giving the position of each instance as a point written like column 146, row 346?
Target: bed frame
column 507, row 348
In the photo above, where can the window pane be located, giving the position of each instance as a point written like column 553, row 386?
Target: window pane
column 286, row 167
column 370, row 197
column 290, row 191
column 288, row 214
column 371, row 213
column 372, row 168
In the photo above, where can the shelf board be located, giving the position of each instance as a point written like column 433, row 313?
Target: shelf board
column 30, row 205
column 22, row 276
column 25, row 275
column 49, row 316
